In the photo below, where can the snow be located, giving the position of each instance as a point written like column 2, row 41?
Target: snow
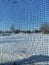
column 22, row 46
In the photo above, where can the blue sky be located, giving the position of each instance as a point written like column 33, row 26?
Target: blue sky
column 24, row 14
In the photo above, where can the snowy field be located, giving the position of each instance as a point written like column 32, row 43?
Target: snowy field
column 22, row 46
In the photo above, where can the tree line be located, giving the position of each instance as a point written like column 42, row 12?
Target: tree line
column 44, row 28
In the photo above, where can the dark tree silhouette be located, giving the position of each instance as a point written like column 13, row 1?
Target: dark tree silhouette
column 45, row 27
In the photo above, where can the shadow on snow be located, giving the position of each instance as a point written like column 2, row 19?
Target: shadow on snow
column 30, row 60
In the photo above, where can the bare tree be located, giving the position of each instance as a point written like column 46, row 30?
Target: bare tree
column 13, row 28
column 45, row 27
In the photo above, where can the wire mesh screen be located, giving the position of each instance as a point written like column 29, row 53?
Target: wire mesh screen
column 24, row 32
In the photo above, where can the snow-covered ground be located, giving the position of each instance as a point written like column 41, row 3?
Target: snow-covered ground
column 22, row 46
